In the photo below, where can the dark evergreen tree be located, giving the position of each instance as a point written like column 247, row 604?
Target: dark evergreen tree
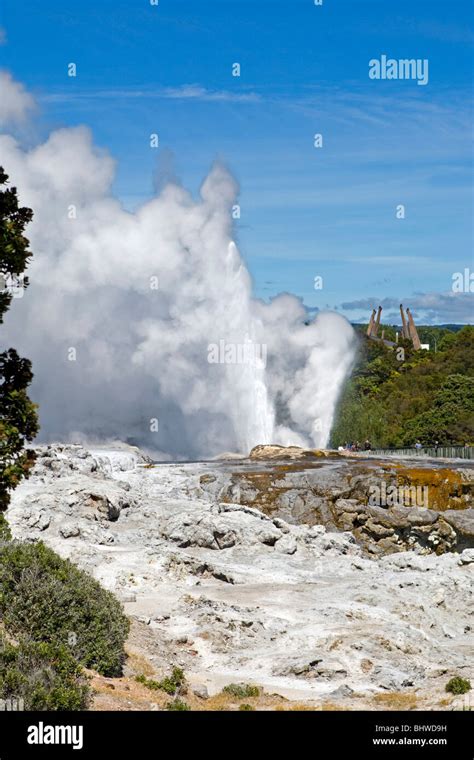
column 18, row 418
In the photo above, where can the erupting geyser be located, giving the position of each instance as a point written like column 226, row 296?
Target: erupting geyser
column 123, row 307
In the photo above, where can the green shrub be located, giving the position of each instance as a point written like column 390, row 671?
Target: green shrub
column 177, row 704
column 45, row 676
column 170, row 684
column 241, row 690
column 5, row 532
column 244, row 707
column 174, row 682
column 46, row 598
column 458, row 685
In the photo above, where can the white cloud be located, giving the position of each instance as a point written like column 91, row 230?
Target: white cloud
column 449, row 307
column 183, row 92
column 195, row 92
column 15, row 101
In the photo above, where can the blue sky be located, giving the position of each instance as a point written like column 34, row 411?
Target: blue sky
column 304, row 70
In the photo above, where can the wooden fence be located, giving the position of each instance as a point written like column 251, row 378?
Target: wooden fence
column 445, row 452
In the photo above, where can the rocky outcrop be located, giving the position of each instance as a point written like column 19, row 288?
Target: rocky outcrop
column 73, row 495
column 60, row 460
column 385, row 510
column 269, row 452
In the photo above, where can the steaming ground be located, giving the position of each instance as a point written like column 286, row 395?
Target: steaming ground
column 123, row 308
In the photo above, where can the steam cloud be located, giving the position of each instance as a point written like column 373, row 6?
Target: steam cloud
column 141, row 351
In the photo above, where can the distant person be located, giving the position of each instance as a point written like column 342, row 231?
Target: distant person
column 436, row 446
column 418, row 445
column 367, row 445
column 357, row 446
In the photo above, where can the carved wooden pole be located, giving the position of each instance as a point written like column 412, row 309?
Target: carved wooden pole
column 405, row 332
column 371, row 324
column 413, row 332
column 377, row 322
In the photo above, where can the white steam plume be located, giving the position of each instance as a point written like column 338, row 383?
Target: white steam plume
column 141, row 351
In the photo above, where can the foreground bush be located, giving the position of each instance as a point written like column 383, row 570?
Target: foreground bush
column 44, row 676
column 458, row 685
column 171, row 684
column 177, row 705
column 47, row 599
column 241, row 690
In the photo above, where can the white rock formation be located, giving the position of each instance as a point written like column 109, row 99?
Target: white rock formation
column 244, row 597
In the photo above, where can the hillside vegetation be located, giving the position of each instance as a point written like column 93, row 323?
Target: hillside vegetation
column 427, row 396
